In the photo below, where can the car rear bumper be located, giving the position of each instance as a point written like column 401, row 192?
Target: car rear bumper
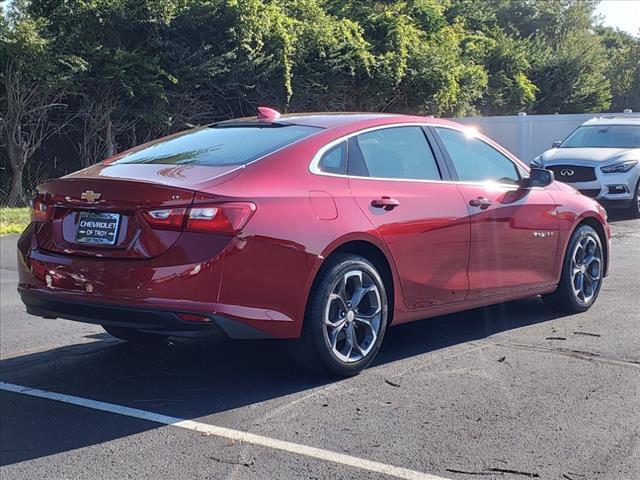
column 160, row 321
column 246, row 303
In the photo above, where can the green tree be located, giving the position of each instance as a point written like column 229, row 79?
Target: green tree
column 120, row 82
column 623, row 71
column 32, row 82
column 552, row 20
column 418, row 64
column 506, row 60
column 114, row 73
column 571, row 78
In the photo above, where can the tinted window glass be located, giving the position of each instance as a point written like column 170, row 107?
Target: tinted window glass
column 604, row 136
column 401, row 152
column 475, row 160
column 356, row 166
column 217, row 146
column 335, row 159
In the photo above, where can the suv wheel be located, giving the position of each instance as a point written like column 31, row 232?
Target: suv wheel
column 634, row 208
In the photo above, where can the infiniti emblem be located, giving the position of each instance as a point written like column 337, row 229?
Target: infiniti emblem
column 566, row 172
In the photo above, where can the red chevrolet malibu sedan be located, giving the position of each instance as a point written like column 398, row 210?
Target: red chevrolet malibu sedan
column 321, row 229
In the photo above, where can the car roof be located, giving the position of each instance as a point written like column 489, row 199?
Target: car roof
column 332, row 120
column 613, row 121
column 345, row 123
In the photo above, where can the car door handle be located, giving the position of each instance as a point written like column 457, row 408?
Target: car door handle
column 386, row 203
column 481, row 202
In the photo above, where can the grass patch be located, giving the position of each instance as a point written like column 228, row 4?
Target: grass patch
column 14, row 220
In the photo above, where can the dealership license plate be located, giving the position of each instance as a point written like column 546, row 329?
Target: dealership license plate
column 97, row 228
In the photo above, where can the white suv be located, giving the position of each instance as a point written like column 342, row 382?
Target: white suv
column 601, row 158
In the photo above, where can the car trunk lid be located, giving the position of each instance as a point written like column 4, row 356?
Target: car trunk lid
column 111, row 200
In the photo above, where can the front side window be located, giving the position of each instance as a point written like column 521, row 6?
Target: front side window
column 475, row 160
column 604, row 136
column 398, row 152
column 220, row 145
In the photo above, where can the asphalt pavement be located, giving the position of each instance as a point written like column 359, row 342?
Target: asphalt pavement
column 511, row 391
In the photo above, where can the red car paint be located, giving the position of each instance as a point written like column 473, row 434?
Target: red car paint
column 444, row 254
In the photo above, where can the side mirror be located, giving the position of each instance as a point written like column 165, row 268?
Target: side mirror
column 538, row 177
column 556, row 144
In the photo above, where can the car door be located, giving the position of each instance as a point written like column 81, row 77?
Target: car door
column 514, row 231
column 397, row 182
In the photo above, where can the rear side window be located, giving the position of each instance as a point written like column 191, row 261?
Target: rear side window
column 475, row 160
column 220, row 145
column 399, row 152
column 334, row 160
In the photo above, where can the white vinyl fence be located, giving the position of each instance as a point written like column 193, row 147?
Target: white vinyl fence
column 529, row 135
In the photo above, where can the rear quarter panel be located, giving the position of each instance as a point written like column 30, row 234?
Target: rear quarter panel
column 299, row 220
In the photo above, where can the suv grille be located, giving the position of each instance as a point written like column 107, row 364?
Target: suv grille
column 573, row 174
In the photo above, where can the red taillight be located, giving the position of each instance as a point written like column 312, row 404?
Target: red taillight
column 166, row 218
column 225, row 218
column 40, row 211
column 188, row 317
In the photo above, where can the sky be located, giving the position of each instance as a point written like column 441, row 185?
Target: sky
column 622, row 14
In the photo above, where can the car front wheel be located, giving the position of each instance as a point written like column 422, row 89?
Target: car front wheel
column 582, row 272
column 346, row 317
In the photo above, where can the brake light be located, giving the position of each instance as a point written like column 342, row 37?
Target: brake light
column 188, row 317
column 225, row 218
column 167, row 218
column 40, row 211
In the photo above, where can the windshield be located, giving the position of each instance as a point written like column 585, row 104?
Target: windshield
column 220, row 145
column 604, row 136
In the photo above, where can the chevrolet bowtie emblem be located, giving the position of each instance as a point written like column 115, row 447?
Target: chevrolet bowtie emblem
column 90, row 196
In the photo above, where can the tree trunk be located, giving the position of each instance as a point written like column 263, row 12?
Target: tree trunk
column 111, row 141
column 16, row 196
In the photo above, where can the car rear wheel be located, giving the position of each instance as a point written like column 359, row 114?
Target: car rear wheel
column 582, row 272
column 346, row 318
column 634, row 208
column 132, row 335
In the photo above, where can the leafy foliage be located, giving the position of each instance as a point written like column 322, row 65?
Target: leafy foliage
column 623, row 68
column 130, row 70
column 14, row 220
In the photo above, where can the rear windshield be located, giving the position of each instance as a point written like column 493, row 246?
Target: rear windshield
column 604, row 136
column 221, row 145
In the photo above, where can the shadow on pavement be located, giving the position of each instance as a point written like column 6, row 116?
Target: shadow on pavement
column 192, row 379
column 618, row 215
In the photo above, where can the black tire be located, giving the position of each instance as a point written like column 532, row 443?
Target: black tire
column 313, row 349
column 564, row 299
column 634, row 208
column 132, row 335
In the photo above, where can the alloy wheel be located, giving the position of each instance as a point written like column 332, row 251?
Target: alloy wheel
column 352, row 316
column 586, row 269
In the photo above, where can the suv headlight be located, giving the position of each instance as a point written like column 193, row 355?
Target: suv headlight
column 619, row 167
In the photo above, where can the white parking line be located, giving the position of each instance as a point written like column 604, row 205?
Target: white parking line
column 227, row 433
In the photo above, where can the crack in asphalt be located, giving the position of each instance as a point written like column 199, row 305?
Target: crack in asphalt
column 566, row 352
